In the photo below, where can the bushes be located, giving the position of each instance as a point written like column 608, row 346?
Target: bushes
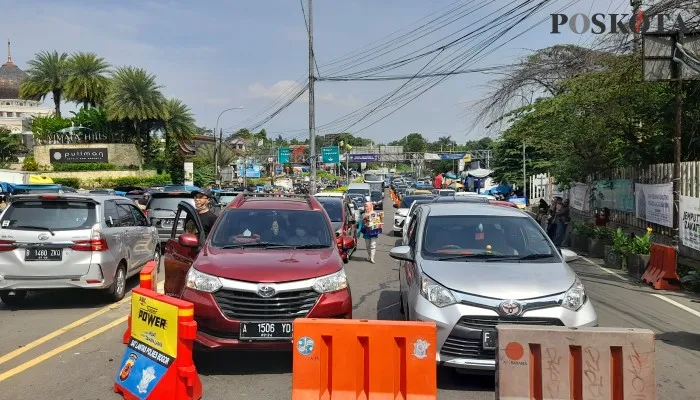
column 71, row 182
column 156, row 180
column 30, row 164
column 71, row 167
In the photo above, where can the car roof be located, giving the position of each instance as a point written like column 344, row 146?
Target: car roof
column 329, row 199
column 466, row 208
column 97, row 198
column 461, row 199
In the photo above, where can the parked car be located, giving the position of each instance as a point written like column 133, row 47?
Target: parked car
column 470, row 267
column 344, row 224
column 267, row 261
column 54, row 241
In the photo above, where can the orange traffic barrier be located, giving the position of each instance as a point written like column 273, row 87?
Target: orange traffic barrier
column 358, row 359
column 538, row 362
column 157, row 363
column 661, row 272
column 148, row 279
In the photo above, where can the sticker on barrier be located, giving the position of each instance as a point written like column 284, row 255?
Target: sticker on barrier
column 157, row 363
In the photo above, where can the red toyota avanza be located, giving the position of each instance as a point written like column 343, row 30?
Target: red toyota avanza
column 267, row 261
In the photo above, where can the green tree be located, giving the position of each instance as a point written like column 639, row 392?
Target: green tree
column 87, row 82
column 47, row 73
column 135, row 96
column 10, row 146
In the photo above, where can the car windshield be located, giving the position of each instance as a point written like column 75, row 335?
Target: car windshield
column 465, row 237
column 273, row 228
column 50, row 214
column 376, row 196
column 334, row 210
column 358, row 191
column 168, row 202
column 408, row 200
column 227, row 198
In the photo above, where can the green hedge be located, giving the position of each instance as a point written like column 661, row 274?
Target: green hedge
column 70, row 167
column 155, row 180
column 72, row 182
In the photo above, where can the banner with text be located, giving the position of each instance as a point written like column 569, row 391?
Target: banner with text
column 690, row 222
column 615, row 194
column 579, row 198
column 654, row 203
column 364, row 158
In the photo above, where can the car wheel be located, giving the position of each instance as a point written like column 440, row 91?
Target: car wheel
column 13, row 298
column 118, row 289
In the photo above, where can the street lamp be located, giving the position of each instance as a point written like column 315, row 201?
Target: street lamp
column 217, row 150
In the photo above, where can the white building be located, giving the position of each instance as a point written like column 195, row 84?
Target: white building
column 16, row 114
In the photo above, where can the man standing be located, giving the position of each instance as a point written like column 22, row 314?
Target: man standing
column 437, row 184
column 202, row 203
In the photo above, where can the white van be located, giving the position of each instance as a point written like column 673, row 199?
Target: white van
column 360, row 188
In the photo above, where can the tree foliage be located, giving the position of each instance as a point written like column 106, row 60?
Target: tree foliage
column 10, row 146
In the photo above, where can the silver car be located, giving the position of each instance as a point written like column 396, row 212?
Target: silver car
column 55, row 241
column 470, row 267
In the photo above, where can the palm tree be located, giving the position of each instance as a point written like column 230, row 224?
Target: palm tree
column 47, row 73
column 135, row 96
column 178, row 124
column 87, row 83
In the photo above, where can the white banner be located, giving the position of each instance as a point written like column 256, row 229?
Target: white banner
column 689, row 223
column 654, row 203
column 580, row 197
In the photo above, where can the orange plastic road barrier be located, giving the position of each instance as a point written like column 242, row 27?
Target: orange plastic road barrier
column 538, row 362
column 157, row 363
column 661, row 272
column 148, row 279
column 359, row 359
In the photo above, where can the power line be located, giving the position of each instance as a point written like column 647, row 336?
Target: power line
column 419, row 76
column 308, row 32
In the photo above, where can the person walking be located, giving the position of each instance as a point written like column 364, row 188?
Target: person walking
column 370, row 231
column 561, row 219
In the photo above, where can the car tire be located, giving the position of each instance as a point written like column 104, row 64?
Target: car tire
column 117, row 290
column 13, row 298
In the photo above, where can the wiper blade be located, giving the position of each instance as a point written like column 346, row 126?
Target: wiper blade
column 311, row 246
column 265, row 245
column 36, row 227
column 534, row 256
column 469, row 256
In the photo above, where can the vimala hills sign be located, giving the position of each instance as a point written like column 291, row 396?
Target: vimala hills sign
column 81, row 137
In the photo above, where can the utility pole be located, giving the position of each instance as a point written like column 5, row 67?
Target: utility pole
column 677, row 151
column 524, row 176
column 312, row 106
column 636, row 4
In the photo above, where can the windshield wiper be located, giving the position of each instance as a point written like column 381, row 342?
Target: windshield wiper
column 469, row 256
column 35, row 227
column 265, row 245
column 496, row 257
column 534, row 256
column 311, row 246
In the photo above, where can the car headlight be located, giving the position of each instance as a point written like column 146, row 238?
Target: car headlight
column 575, row 297
column 203, row 282
column 435, row 293
column 331, row 283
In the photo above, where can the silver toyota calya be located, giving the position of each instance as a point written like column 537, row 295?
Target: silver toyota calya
column 469, row 267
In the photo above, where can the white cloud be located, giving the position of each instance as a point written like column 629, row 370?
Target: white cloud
column 218, row 102
column 287, row 88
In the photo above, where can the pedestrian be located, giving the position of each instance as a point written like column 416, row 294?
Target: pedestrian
column 551, row 213
column 602, row 217
column 542, row 212
column 561, row 219
column 370, row 228
column 202, row 203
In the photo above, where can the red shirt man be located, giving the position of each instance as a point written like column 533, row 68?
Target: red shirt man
column 438, row 182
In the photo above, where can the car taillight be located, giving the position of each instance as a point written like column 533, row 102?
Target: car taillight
column 97, row 241
column 7, row 245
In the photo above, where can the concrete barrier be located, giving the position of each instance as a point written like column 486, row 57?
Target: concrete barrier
column 534, row 362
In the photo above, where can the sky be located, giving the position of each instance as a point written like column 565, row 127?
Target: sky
column 219, row 54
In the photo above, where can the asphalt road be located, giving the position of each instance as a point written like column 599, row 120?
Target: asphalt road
column 67, row 345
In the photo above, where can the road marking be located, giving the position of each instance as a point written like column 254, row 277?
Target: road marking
column 60, row 349
column 677, row 304
column 606, row 270
column 9, row 356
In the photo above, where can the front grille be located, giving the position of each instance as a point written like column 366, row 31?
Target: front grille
column 491, row 322
column 247, row 306
column 465, row 340
column 466, row 348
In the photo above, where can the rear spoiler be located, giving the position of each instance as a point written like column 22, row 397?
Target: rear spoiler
column 53, row 197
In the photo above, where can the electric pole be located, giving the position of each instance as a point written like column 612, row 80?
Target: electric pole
column 636, row 4
column 312, row 116
column 524, row 176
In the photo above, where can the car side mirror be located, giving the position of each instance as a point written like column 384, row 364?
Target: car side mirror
column 188, row 240
column 348, row 242
column 396, row 205
column 403, row 253
column 568, row 255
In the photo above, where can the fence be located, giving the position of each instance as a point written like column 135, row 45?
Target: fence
column 616, row 191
